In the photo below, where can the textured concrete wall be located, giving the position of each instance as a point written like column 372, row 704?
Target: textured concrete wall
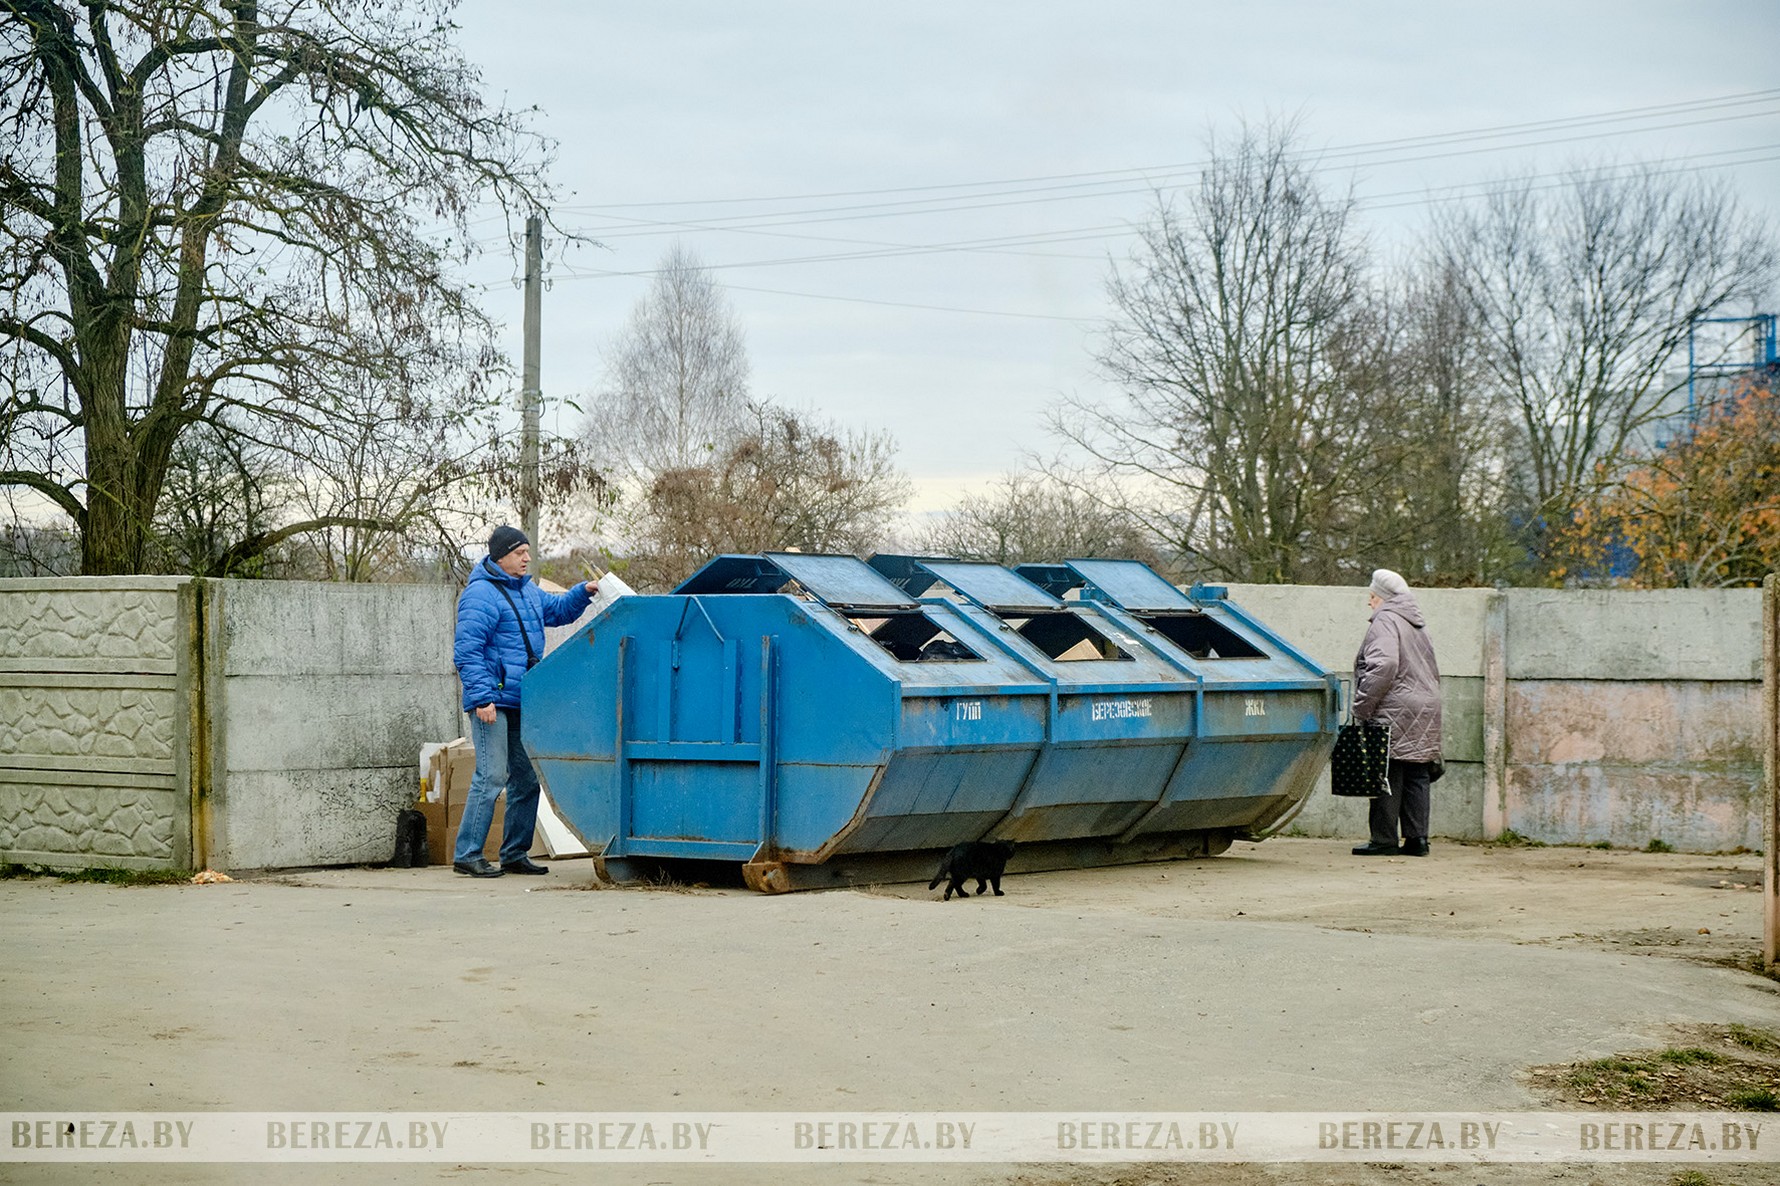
column 1327, row 622
column 95, row 695
column 1616, row 635
column 1635, row 716
column 321, row 696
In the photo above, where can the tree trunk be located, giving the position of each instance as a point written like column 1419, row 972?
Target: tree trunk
column 116, row 538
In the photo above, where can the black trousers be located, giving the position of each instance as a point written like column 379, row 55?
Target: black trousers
column 1406, row 806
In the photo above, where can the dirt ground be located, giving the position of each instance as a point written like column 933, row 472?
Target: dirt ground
column 1704, row 908
column 1701, row 908
column 1197, row 984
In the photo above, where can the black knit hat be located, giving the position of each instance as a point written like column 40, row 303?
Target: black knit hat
column 504, row 540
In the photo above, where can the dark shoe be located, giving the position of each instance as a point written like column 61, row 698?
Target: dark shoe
column 480, row 867
column 523, row 865
column 1415, row 848
column 1376, row 850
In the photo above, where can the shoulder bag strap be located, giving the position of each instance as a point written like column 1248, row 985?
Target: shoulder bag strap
column 531, row 657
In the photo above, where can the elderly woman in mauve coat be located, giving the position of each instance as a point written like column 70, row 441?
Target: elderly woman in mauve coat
column 1396, row 680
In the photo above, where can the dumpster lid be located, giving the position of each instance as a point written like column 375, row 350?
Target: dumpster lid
column 844, row 582
column 735, row 574
column 908, row 573
column 992, row 586
column 1055, row 579
column 1131, row 584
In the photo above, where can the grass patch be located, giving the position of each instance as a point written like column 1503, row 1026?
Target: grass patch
column 1692, row 1178
column 1620, row 1080
column 1715, row 1068
column 1659, row 845
column 1750, row 1038
column 1512, row 839
column 1602, row 844
column 125, row 876
column 1750, row 962
column 1754, row 1099
column 1690, row 1056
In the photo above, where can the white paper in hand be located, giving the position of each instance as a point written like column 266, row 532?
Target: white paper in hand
column 611, row 589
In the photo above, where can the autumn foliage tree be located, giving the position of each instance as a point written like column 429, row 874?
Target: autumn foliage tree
column 1702, row 513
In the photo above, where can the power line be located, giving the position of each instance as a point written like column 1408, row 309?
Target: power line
column 1489, row 131
column 818, row 296
column 1430, row 199
column 872, row 211
column 1654, row 172
column 1154, row 175
column 1001, row 244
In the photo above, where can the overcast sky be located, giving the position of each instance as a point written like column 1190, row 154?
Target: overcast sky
column 801, row 149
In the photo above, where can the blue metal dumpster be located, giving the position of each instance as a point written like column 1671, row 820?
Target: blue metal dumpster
column 820, row 722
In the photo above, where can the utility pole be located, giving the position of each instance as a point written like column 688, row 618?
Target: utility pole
column 1770, row 881
column 531, row 396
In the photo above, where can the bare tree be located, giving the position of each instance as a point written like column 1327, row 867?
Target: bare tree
column 677, row 388
column 221, row 489
column 1030, row 516
column 210, row 216
column 378, row 492
column 30, row 549
column 1441, row 514
column 1584, row 295
column 791, row 481
column 1242, row 342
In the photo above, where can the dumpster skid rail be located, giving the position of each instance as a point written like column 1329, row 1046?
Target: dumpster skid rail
column 823, row 721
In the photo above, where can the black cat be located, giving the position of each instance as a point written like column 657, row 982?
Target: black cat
column 410, row 840
column 983, row 860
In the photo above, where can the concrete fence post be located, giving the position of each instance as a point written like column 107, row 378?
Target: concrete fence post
column 1495, row 716
column 194, row 729
column 1770, row 684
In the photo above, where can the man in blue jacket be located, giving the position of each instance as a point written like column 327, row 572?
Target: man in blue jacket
column 501, row 617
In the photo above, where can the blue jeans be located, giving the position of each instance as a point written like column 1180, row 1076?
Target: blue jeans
column 500, row 761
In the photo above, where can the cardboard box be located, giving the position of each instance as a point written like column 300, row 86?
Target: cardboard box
column 444, row 789
column 446, row 771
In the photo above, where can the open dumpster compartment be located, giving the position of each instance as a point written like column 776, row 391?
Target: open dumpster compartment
column 1267, row 715
column 820, row 722
column 1120, row 712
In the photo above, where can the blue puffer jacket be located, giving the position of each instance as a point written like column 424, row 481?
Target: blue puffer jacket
column 489, row 649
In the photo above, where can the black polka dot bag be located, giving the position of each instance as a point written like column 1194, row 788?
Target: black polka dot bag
column 1357, row 768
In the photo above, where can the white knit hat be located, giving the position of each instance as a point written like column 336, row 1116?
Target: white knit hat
column 1387, row 584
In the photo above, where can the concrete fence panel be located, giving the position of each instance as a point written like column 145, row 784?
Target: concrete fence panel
column 322, row 696
column 1635, row 716
column 1570, row 716
column 97, row 687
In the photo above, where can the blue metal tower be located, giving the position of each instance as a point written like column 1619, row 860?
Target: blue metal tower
column 1764, row 354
